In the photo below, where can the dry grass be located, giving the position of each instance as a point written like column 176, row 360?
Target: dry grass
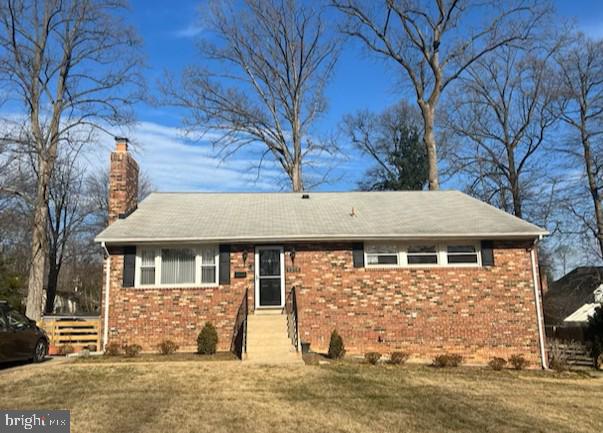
column 155, row 357
column 193, row 396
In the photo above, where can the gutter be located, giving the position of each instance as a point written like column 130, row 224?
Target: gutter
column 539, row 315
column 106, row 302
column 338, row 237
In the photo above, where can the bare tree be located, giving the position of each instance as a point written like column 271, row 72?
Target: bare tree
column 97, row 192
column 263, row 81
column 435, row 41
column 72, row 65
column 391, row 140
column 502, row 114
column 67, row 212
column 582, row 77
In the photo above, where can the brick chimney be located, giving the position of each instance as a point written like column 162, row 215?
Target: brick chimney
column 123, row 181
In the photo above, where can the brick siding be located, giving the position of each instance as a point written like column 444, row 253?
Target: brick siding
column 477, row 312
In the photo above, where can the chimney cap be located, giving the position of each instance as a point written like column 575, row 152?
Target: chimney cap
column 121, row 144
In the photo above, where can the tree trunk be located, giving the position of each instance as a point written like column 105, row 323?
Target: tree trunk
column 296, row 165
column 39, row 244
column 296, row 177
column 592, row 186
column 514, row 181
column 51, row 285
column 430, row 145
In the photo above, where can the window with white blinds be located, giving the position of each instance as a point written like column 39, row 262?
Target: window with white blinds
column 208, row 265
column 147, row 267
column 177, row 266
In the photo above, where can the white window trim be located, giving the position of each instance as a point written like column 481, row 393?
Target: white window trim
column 441, row 251
column 478, row 251
column 397, row 253
column 257, row 277
column 198, row 259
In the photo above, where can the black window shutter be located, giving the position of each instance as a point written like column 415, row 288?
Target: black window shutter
column 129, row 266
column 487, row 253
column 358, row 255
column 224, row 264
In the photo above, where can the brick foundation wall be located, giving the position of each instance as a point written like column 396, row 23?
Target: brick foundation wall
column 477, row 312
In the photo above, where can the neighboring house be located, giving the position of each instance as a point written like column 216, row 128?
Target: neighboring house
column 421, row 272
column 573, row 298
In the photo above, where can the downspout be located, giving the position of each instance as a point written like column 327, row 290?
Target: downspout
column 106, row 301
column 539, row 318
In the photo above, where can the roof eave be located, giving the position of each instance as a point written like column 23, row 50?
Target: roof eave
column 343, row 237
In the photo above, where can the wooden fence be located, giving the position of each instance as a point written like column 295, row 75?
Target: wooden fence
column 78, row 333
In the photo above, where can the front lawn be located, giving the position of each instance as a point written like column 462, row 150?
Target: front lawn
column 196, row 396
column 155, row 357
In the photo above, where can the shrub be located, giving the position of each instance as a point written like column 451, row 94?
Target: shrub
column 113, row 349
column 594, row 334
column 132, row 350
column 207, row 340
column 167, row 347
column 497, row 364
column 398, row 358
column 372, row 357
column 66, row 349
column 518, row 362
column 557, row 357
column 447, row 360
column 336, row 347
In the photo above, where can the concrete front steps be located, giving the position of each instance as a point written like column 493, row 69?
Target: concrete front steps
column 268, row 341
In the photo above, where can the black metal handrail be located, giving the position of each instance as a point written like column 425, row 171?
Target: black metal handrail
column 239, row 338
column 292, row 318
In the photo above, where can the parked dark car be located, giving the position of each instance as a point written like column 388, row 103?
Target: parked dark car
column 20, row 338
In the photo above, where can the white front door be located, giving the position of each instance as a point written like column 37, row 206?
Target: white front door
column 269, row 277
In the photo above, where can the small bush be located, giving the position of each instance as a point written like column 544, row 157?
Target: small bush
column 167, row 347
column 447, row 360
column 372, row 357
column 336, row 347
column 518, row 362
column 113, row 349
column 132, row 350
column 66, row 349
column 497, row 364
column 557, row 357
column 398, row 358
column 207, row 340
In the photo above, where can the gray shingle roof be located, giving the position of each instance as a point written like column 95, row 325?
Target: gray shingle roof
column 286, row 216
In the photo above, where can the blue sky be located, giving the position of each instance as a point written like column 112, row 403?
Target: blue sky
column 175, row 163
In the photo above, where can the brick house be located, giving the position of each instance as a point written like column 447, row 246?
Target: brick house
column 421, row 272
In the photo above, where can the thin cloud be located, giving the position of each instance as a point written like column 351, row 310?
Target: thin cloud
column 175, row 163
column 189, row 31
